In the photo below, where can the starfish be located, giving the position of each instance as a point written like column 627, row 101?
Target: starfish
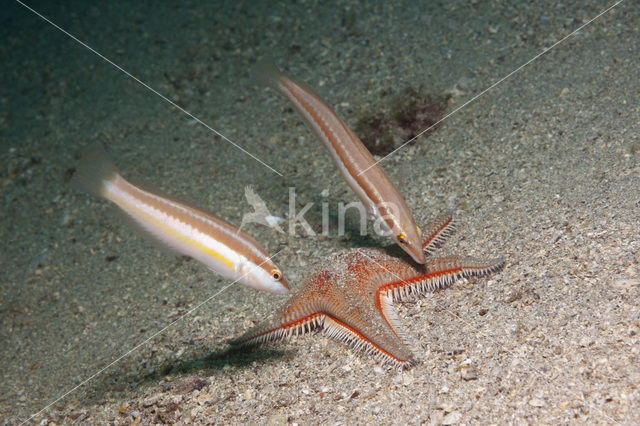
column 351, row 294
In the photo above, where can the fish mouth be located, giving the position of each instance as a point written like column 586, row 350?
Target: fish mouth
column 282, row 287
column 416, row 253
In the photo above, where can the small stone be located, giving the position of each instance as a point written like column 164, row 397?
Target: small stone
column 536, row 402
column 150, row 401
column 407, row 380
column 447, row 407
column 277, row 420
column 452, row 418
column 625, row 284
column 468, row 372
column 436, row 417
column 513, row 296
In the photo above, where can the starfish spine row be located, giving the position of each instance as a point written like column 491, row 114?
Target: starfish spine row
column 437, row 233
column 441, row 273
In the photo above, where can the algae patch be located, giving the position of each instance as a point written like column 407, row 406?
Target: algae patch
column 399, row 120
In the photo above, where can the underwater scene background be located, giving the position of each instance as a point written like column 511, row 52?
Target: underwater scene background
column 538, row 156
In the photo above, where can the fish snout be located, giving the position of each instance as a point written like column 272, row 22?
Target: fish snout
column 411, row 243
column 282, row 286
column 415, row 251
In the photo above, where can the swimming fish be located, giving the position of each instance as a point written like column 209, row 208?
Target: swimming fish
column 180, row 227
column 363, row 174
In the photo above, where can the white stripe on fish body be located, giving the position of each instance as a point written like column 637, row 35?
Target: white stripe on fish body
column 369, row 205
column 340, row 162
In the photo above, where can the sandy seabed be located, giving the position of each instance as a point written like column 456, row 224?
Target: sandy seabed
column 543, row 168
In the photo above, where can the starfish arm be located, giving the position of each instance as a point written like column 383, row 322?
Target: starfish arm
column 438, row 273
column 274, row 329
column 353, row 317
column 302, row 313
column 354, row 313
column 382, row 344
column 385, row 303
column 436, row 233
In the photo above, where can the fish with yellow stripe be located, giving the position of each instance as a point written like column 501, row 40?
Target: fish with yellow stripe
column 180, row 227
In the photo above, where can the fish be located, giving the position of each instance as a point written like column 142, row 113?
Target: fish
column 360, row 170
column 180, row 227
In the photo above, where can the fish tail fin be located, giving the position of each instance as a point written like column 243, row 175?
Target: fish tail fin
column 95, row 172
column 268, row 74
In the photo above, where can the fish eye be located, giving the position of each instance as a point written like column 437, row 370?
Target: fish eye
column 402, row 238
column 275, row 274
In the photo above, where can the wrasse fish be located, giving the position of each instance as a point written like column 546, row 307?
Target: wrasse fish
column 363, row 174
column 180, row 227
